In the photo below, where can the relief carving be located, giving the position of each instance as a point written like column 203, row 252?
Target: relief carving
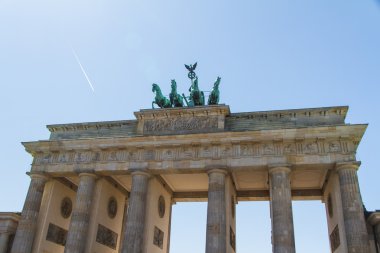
column 187, row 153
column 311, row 148
column 225, row 151
column 56, row 234
column 112, row 156
column 334, row 146
column 106, row 237
column 289, row 148
column 63, row 158
column 334, row 239
column 209, row 150
column 66, row 207
column 232, row 239
column 168, row 154
column 206, row 152
column 268, row 149
column 180, row 124
column 158, row 238
column 245, row 150
column 149, row 154
column 112, row 207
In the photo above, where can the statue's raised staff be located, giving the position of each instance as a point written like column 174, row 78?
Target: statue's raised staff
column 176, row 100
column 213, row 98
column 160, row 99
column 196, row 96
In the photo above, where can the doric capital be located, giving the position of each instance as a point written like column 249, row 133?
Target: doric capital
column 374, row 218
column 279, row 168
column 347, row 165
column 220, row 171
column 141, row 173
column 38, row 175
column 88, row 174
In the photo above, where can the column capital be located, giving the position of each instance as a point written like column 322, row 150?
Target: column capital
column 36, row 175
column 374, row 218
column 141, row 173
column 221, row 171
column 347, row 165
column 279, row 168
column 89, row 174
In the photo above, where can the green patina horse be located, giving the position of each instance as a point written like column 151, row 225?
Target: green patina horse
column 176, row 100
column 160, row 99
column 213, row 99
column 197, row 97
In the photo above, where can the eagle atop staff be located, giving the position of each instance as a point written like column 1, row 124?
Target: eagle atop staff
column 191, row 69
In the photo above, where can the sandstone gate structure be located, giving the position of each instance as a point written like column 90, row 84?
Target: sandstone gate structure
column 109, row 186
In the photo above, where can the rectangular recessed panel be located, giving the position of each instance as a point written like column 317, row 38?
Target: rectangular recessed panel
column 187, row 182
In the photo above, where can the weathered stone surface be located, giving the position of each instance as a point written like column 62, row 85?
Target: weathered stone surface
column 134, row 231
column 27, row 226
column 353, row 213
column 248, row 121
column 281, row 211
column 377, row 233
column 80, row 218
column 4, row 242
column 216, row 213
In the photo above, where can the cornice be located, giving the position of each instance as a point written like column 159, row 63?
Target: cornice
column 347, row 133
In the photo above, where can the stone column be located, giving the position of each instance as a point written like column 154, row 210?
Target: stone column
column 3, row 242
column 281, row 210
column 27, row 225
column 353, row 213
column 376, row 231
column 134, row 231
column 125, row 216
column 80, row 218
column 216, row 212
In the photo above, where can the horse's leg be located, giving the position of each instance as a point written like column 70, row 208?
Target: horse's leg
column 184, row 97
column 153, row 102
column 202, row 98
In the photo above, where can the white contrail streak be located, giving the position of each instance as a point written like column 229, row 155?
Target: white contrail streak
column 81, row 67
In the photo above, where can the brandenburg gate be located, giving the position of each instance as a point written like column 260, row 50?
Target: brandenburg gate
column 110, row 186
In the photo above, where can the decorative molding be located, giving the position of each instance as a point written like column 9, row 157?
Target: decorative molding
column 198, row 151
column 183, row 124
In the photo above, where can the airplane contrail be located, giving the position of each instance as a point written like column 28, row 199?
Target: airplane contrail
column 81, row 67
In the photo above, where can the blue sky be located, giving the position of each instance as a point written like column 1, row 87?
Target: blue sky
column 270, row 55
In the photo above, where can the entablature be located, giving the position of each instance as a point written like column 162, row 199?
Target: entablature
column 324, row 145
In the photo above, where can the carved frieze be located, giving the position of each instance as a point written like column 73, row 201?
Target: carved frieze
column 180, row 124
column 198, row 151
column 334, row 146
column 310, row 148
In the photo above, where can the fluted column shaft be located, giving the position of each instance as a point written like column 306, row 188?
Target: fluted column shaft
column 281, row 211
column 27, row 225
column 123, row 226
column 216, row 212
column 3, row 242
column 377, row 234
column 80, row 219
column 353, row 212
column 134, row 231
